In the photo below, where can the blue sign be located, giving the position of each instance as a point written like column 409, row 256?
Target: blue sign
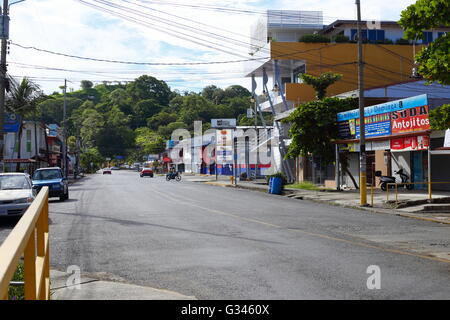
column 412, row 102
column 120, row 157
column 12, row 122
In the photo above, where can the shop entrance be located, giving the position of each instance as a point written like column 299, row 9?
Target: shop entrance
column 419, row 166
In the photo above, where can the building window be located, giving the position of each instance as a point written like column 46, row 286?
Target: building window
column 28, row 135
column 427, row 37
column 28, row 146
column 441, row 34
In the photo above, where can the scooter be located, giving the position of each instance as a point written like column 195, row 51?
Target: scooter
column 384, row 180
column 173, row 176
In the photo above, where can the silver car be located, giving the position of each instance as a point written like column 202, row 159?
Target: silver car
column 16, row 193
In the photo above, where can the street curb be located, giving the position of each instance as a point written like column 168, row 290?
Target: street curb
column 423, row 218
column 369, row 209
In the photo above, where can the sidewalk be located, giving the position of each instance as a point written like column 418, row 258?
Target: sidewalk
column 94, row 287
column 411, row 203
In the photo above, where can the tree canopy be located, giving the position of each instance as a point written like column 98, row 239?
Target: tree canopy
column 434, row 59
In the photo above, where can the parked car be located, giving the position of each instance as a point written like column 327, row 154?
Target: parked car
column 54, row 179
column 16, row 193
column 115, row 168
column 106, row 171
column 146, row 172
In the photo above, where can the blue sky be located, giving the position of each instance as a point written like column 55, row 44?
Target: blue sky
column 73, row 27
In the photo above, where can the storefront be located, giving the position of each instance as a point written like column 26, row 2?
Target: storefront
column 397, row 137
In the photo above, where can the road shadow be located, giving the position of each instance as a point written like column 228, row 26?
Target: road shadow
column 125, row 222
column 58, row 201
column 9, row 222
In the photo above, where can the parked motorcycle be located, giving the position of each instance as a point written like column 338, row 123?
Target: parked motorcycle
column 173, row 176
column 384, row 180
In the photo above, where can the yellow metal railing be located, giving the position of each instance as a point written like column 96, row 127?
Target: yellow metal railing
column 30, row 239
column 429, row 183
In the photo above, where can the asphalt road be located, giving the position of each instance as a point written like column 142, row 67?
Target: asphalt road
column 219, row 243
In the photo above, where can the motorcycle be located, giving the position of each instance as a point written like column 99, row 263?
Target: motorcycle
column 384, row 180
column 173, row 176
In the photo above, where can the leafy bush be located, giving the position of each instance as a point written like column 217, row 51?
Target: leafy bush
column 340, row 38
column 313, row 38
column 17, row 293
column 402, row 41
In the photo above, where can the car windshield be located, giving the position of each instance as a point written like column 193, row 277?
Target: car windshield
column 13, row 182
column 47, row 175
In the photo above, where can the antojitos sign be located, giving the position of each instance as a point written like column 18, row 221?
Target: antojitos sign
column 387, row 119
column 412, row 119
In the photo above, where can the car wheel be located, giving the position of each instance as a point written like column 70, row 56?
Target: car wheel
column 151, row 176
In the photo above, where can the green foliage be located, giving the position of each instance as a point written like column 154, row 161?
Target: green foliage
column 313, row 38
column 161, row 119
column 305, row 185
column 341, row 38
column 424, row 15
column 86, row 84
column 148, row 141
column 320, row 83
column 147, row 87
column 402, row 41
column 91, row 156
column 17, row 293
column 440, row 117
column 134, row 119
column 314, row 127
column 434, row 60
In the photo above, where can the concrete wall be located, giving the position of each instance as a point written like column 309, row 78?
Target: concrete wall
column 401, row 160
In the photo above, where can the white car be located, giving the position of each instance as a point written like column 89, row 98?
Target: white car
column 16, row 193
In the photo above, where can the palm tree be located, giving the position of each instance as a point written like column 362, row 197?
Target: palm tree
column 22, row 99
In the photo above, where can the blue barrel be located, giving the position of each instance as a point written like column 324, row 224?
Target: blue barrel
column 275, row 185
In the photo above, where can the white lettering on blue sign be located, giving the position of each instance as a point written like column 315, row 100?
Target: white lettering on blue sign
column 416, row 101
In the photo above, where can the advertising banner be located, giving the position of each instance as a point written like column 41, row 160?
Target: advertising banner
column 410, row 143
column 409, row 120
column 224, row 146
column 389, row 119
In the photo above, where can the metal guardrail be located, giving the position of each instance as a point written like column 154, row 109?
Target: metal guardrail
column 429, row 183
column 29, row 238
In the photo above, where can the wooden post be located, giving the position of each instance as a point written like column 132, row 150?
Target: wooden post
column 30, row 268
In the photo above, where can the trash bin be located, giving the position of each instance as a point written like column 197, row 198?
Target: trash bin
column 275, row 185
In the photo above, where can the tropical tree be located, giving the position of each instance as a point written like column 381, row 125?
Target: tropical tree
column 434, row 59
column 321, row 83
column 22, row 100
column 314, row 127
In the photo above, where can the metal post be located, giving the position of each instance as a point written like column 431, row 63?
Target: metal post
column 3, row 69
column 362, row 133
column 66, row 169
column 430, row 192
column 337, row 170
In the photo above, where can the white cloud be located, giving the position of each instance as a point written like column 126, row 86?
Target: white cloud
column 70, row 27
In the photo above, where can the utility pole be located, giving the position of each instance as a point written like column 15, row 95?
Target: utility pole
column 66, row 169
column 362, row 127
column 4, row 36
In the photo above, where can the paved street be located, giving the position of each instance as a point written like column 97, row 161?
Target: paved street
column 220, row 243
